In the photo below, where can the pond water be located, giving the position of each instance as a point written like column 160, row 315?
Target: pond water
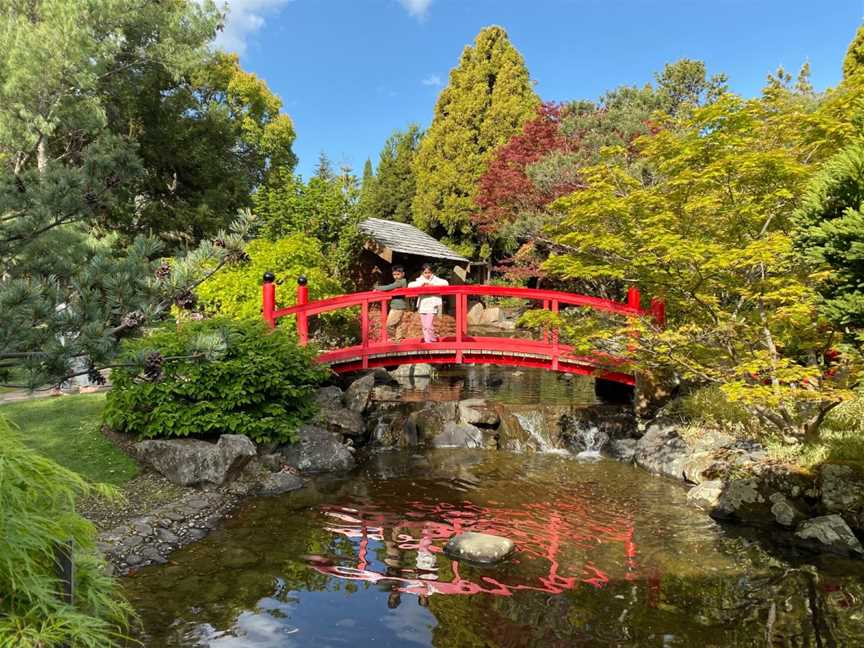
column 606, row 555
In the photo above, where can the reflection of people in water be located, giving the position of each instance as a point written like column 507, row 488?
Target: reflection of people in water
column 393, row 560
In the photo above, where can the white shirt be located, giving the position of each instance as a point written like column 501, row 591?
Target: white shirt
column 432, row 303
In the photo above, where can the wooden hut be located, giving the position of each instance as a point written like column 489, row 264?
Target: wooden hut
column 390, row 243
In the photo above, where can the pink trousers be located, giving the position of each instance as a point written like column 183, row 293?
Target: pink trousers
column 427, row 320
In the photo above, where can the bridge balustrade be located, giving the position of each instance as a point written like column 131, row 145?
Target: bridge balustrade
column 547, row 353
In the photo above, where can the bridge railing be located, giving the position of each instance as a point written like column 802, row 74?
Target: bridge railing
column 461, row 343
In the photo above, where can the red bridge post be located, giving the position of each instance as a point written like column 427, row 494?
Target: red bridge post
column 658, row 311
column 268, row 299
column 302, row 318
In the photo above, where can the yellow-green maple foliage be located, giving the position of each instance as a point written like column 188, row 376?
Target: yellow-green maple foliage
column 709, row 229
column 488, row 99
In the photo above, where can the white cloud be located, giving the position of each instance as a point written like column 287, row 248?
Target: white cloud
column 245, row 17
column 416, row 8
column 432, row 80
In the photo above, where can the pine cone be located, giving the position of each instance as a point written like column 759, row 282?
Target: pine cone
column 153, row 366
column 163, row 271
column 133, row 320
column 95, row 376
column 186, row 300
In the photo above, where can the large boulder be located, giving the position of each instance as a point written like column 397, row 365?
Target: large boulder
column 843, row 492
column 482, row 548
column 621, row 449
column 341, row 420
column 458, row 435
column 475, row 314
column 357, row 395
column 829, row 533
column 280, row 482
column 512, row 437
column 317, row 450
column 330, row 396
column 429, row 422
column 742, row 500
column 190, row 462
column 706, row 494
column 662, row 451
column 696, row 464
column 477, row 412
column 491, row 315
column 786, row 512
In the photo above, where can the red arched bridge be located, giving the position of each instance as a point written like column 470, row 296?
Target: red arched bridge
column 460, row 348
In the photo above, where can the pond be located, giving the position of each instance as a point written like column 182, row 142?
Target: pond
column 607, row 555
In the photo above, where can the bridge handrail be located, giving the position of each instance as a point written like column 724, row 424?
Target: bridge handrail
column 462, row 343
column 534, row 294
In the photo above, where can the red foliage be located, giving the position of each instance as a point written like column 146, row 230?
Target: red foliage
column 505, row 189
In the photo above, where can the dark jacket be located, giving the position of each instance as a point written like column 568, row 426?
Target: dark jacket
column 397, row 303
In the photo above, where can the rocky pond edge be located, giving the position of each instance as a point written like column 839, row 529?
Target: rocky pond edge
column 732, row 480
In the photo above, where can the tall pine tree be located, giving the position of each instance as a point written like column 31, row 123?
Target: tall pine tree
column 488, row 99
column 395, row 185
column 366, row 188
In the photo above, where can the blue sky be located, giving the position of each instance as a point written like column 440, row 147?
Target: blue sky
column 351, row 71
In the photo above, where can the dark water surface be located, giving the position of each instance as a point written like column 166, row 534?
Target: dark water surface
column 607, row 555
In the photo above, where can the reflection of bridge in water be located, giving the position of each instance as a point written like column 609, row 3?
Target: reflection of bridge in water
column 542, row 531
column 462, row 348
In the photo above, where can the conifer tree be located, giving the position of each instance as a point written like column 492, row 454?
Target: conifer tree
column 395, row 184
column 488, row 99
column 366, row 188
column 854, row 55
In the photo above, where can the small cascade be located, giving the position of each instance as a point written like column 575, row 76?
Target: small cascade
column 592, row 439
column 533, row 424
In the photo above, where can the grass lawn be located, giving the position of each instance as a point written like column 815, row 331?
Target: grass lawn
column 66, row 429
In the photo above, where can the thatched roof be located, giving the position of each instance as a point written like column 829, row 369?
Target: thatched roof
column 407, row 239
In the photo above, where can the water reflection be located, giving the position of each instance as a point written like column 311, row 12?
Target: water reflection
column 606, row 556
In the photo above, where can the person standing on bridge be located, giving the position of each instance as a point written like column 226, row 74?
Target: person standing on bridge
column 398, row 305
column 428, row 305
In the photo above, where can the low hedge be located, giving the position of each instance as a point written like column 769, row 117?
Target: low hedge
column 211, row 377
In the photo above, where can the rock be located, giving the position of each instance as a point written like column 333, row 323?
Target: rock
column 621, row 449
column 280, row 482
column 272, row 462
column 479, row 547
column 491, row 315
column 706, row 494
column 429, row 422
column 356, row 397
column 189, row 462
column 341, row 420
column 476, row 412
column 713, row 439
column 330, row 396
column 696, row 464
column 741, row 500
column 317, row 450
column 459, row 435
column 422, row 369
column 829, row 533
column 475, row 314
column 661, row 450
column 785, row 512
column 843, row 492
column 512, row 437
column 506, row 325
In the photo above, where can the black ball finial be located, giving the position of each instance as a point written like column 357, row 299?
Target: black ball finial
column 269, row 277
column 302, row 280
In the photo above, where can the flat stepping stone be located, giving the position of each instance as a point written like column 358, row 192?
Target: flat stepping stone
column 481, row 548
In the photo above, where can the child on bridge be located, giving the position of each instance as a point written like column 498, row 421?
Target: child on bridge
column 398, row 305
column 428, row 305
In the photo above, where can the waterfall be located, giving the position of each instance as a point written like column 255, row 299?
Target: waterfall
column 532, row 423
column 592, row 438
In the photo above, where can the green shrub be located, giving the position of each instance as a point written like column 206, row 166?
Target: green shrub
column 709, row 406
column 212, row 377
column 236, row 290
column 37, row 511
